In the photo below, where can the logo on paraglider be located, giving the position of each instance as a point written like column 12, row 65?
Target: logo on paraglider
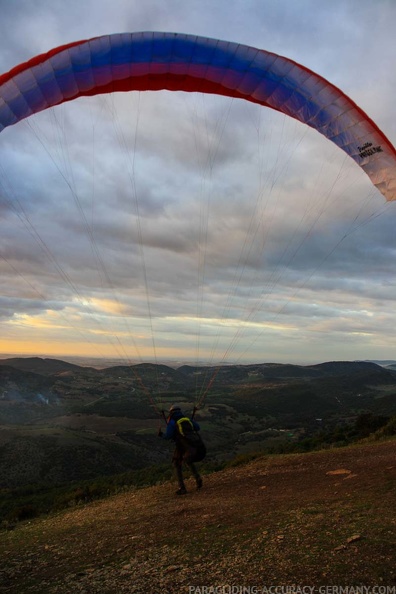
column 368, row 149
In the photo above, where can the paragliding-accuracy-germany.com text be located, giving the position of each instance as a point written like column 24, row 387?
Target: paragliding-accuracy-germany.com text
column 292, row 589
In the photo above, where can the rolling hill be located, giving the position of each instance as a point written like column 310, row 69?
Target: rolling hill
column 318, row 519
column 62, row 422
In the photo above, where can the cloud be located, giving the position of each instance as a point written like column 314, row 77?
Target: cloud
column 189, row 215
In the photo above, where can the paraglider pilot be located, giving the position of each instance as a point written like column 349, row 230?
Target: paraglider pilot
column 189, row 445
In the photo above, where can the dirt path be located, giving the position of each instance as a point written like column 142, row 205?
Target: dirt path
column 325, row 518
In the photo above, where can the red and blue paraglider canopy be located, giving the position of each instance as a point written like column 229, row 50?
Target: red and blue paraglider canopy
column 177, row 62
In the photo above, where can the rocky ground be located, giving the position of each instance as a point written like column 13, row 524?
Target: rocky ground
column 325, row 518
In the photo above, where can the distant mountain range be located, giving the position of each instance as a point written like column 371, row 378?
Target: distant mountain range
column 40, row 365
column 49, row 366
column 385, row 363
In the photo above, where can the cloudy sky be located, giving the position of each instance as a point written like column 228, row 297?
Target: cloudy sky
column 187, row 227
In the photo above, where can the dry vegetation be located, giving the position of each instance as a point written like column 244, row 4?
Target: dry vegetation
column 314, row 519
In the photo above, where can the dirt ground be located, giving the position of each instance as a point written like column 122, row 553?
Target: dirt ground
column 319, row 519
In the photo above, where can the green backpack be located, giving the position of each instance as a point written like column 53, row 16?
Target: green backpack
column 191, row 440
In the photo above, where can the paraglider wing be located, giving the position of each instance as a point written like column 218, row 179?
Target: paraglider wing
column 177, row 62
